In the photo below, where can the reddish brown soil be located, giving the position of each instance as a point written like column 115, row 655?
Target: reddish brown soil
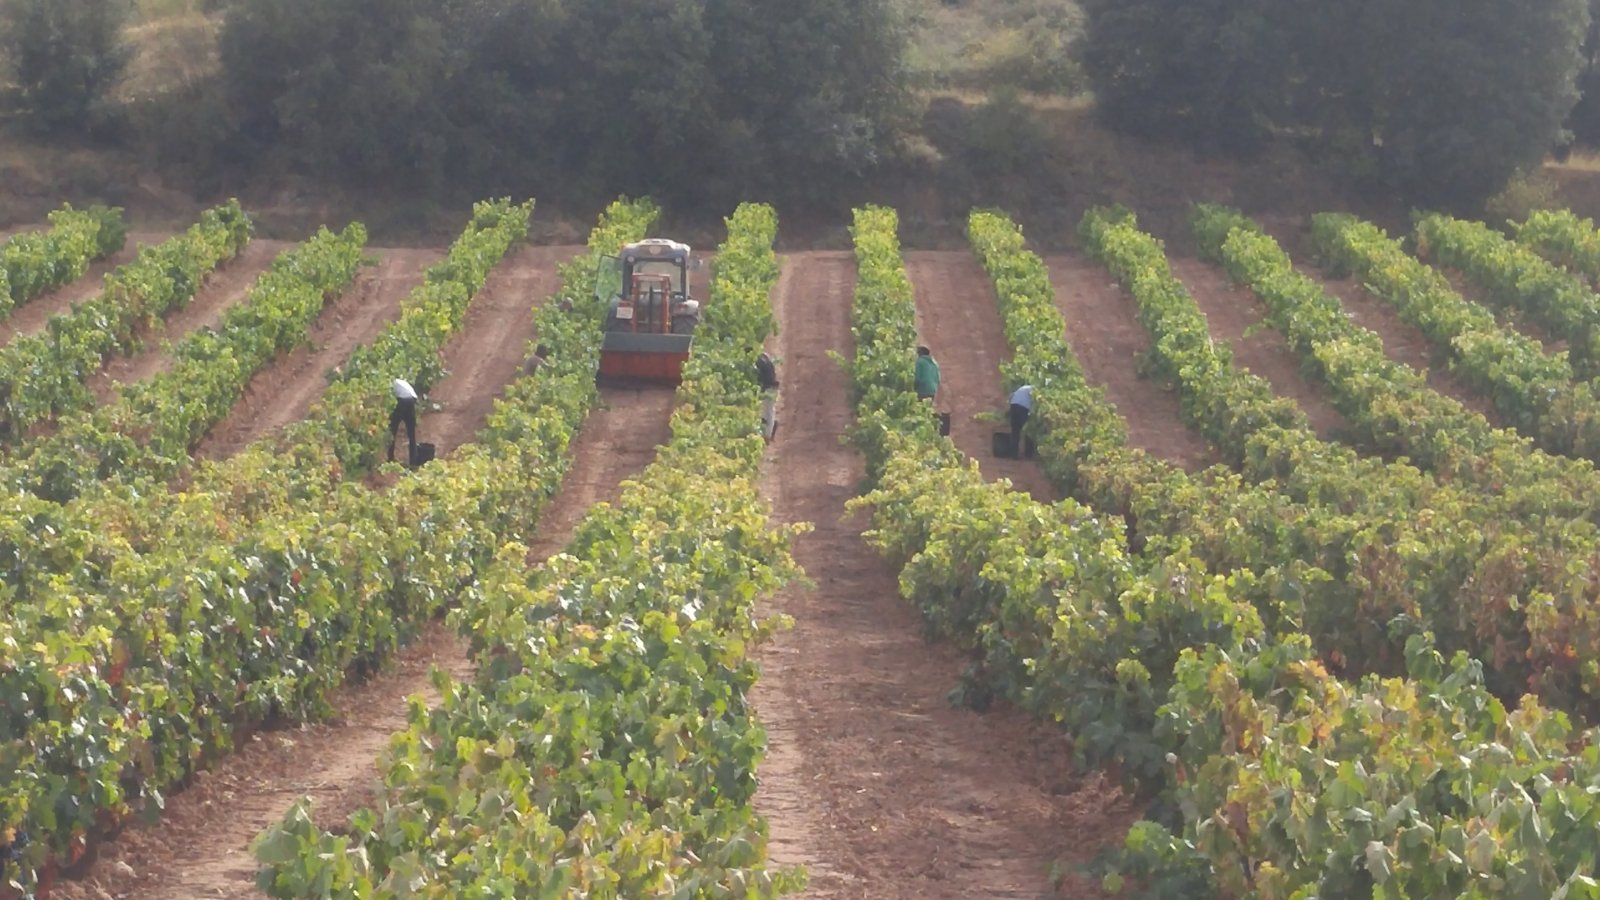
column 873, row 781
column 283, row 391
column 490, row 349
column 30, row 317
column 1104, row 331
column 228, row 285
column 1403, row 343
column 958, row 319
column 616, row 442
column 1233, row 312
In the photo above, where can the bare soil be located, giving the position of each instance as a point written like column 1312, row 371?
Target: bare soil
column 490, row 349
column 873, row 780
column 284, row 391
column 617, row 441
column 30, row 317
column 1237, row 318
column 958, row 318
column 1104, row 331
column 226, row 286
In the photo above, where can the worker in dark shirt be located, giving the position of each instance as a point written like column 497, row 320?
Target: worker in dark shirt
column 767, row 378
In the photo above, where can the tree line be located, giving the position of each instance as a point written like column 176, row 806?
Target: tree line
column 1439, row 101
column 687, row 98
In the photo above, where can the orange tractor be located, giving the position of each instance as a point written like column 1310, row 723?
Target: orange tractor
column 650, row 318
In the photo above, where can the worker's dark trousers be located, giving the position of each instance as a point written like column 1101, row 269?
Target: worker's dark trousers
column 1019, row 418
column 404, row 411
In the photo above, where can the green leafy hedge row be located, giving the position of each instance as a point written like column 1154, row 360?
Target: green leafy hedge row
column 42, row 375
column 1481, row 566
column 606, row 746
column 148, row 430
column 1056, row 610
column 1515, row 277
column 1561, row 237
column 39, row 261
column 340, row 439
column 1389, row 404
column 243, row 599
column 1532, row 390
column 1272, row 777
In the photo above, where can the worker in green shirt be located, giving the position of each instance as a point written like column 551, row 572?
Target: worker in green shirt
column 927, row 374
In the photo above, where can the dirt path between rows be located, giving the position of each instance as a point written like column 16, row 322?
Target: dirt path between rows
column 1232, row 312
column 226, row 286
column 1104, row 332
column 29, row 318
column 1403, row 343
column 872, row 780
column 498, row 328
column 200, row 848
column 282, row 392
column 958, row 318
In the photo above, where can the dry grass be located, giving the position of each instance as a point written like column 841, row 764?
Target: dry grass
column 1578, row 161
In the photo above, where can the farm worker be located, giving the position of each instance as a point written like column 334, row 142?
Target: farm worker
column 767, row 378
column 1021, row 408
column 405, row 410
column 927, row 374
column 541, row 358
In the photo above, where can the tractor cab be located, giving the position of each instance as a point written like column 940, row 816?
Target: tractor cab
column 650, row 317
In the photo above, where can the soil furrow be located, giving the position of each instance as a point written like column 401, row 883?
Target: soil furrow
column 226, row 286
column 30, row 317
column 1105, row 334
column 490, row 349
column 283, row 391
column 958, row 318
column 873, row 780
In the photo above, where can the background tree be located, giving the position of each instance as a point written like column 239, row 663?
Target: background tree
column 350, row 86
column 1454, row 96
column 62, row 58
column 696, row 100
column 811, row 91
column 1204, row 71
column 1584, row 121
column 1441, row 100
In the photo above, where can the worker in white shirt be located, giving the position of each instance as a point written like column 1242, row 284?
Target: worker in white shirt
column 1021, row 408
column 405, row 410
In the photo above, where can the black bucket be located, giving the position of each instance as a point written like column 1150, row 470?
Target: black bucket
column 1002, row 444
column 944, row 423
column 422, row 453
column 1004, row 450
